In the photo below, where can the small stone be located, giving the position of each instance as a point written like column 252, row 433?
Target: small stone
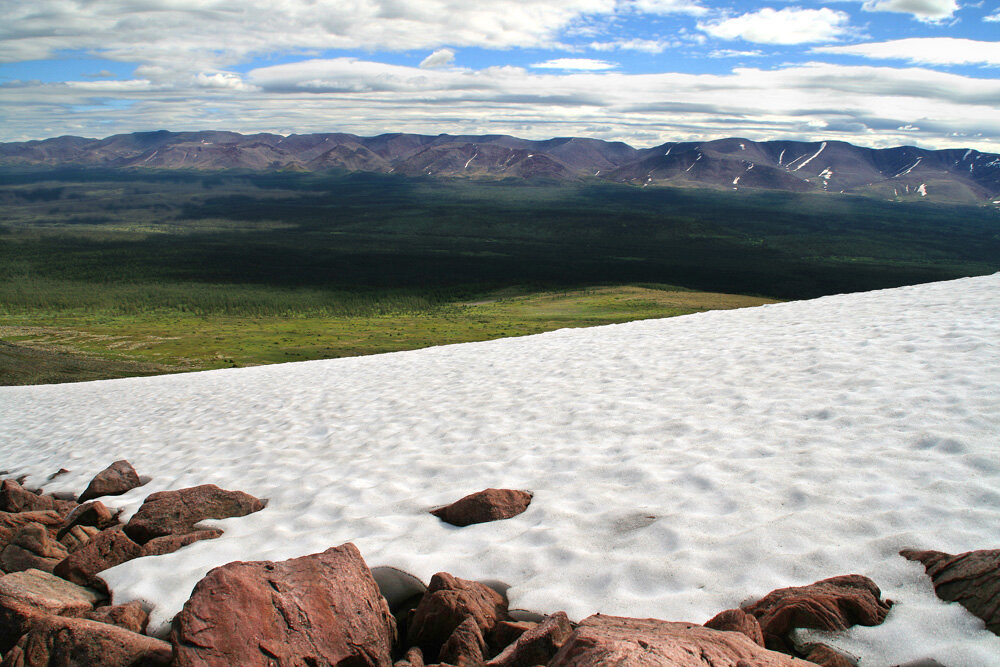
column 465, row 646
column 483, row 506
column 130, row 616
column 77, row 537
column 94, row 513
column 737, row 620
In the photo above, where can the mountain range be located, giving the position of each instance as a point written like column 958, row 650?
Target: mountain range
column 900, row 173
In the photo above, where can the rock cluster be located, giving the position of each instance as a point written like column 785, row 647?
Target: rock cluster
column 330, row 609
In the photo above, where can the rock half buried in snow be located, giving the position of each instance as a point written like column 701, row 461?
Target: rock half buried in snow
column 647, row 642
column 971, row 579
column 16, row 498
column 78, row 642
column 323, row 609
column 177, row 512
column 737, row 620
column 483, row 506
column 831, row 604
column 108, row 548
column 116, row 479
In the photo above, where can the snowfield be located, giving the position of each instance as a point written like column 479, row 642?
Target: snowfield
column 680, row 466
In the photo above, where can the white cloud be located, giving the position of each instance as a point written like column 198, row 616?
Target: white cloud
column 670, row 7
column 924, row 10
column 732, row 53
column 440, row 58
column 925, row 50
column 582, row 64
column 636, row 44
column 791, row 25
column 223, row 80
column 994, row 18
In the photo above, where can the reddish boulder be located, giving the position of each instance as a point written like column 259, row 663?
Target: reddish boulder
column 831, row 604
column 465, row 647
column 737, row 620
column 95, row 513
column 47, row 593
column 32, row 548
column 78, row 642
column 824, row 656
column 12, row 522
column 646, row 642
column 130, row 616
column 108, row 548
column 971, row 579
column 536, row 646
column 15, row 498
column 78, row 536
column 323, row 609
column 160, row 546
column 446, row 604
column 483, row 506
column 413, row 658
column 177, row 512
column 506, row 633
column 118, row 478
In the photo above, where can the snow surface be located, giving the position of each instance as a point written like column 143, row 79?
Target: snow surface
column 680, row 466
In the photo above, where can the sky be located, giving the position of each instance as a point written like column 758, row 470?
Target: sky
column 873, row 72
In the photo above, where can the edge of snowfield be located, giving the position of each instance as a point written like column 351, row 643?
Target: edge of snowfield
column 680, row 466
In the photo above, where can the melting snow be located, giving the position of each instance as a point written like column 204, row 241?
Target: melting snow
column 694, row 163
column 742, row 147
column 814, row 156
column 922, row 189
column 909, row 169
column 782, row 155
column 470, row 160
column 680, row 466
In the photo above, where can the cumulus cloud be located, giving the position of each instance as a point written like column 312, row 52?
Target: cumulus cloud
column 585, row 64
column 440, row 58
column 924, row 10
column 790, row 25
column 925, row 50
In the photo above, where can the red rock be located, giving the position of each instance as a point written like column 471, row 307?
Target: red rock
column 170, row 543
column 323, row 609
column 413, row 658
column 118, row 478
column 483, row 506
column 446, row 604
column 95, row 513
column 737, row 620
column 47, row 593
column 465, row 647
column 11, row 522
column 831, row 604
column 130, row 616
column 15, row 498
column 78, row 642
column 536, row 646
column 16, row 619
column 108, row 548
column 824, row 656
column 36, row 538
column 645, row 642
column 971, row 579
column 506, row 633
column 177, row 512
column 77, row 537
column 17, row 559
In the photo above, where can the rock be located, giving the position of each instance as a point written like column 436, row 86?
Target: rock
column 413, row 658
column 831, row 604
column 167, row 544
column 824, row 656
column 506, row 633
column 95, row 513
column 47, row 593
column 737, row 620
column 12, row 522
column 323, row 609
column 36, row 538
column 971, row 579
column 108, row 548
column 15, row 498
column 536, row 646
column 130, row 616
column 78, row 642
column 118, row 478
column 176, row 512
column 483, row 506
column 78, row 536
column 446, row 604
column 646, row 642
column 465, row 647
column 18, row 559
column 58, row 473
column 16, row 619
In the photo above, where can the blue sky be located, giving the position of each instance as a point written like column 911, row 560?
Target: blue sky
column 873, row 72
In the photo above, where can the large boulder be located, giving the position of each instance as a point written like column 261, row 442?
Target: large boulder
column 645, row 642
column 30, row 595
column 93, row 513
column 538, row 645
column 737, row 620
column 832, row 605
column 446, row 604
column 323, row 609
column 971, row 579
column 177, row 512
column 483, row 506
column 108, row 548
column 32, row 547
column 78, row 642
column 465, row 647
column 12, row 522
column 16, row 498
column 118, row 478
column 130, row 616
column 159, row 546
column 78, row 536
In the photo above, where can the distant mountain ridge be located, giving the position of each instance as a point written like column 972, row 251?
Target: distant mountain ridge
column 903, row 173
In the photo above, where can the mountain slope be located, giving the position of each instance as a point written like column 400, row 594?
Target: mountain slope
column 901, row 173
